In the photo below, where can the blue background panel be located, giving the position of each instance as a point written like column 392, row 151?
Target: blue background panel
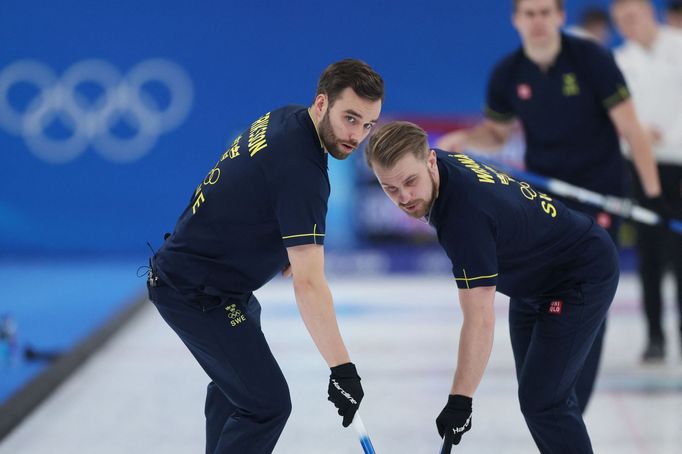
column 241, row 58
column 234, row 60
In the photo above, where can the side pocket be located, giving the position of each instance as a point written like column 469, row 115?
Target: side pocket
column 206, row 303
column 253, row 309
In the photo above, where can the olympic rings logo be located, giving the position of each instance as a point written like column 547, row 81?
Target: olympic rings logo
column 212, row 177
column 86, row 120
column 233, row 312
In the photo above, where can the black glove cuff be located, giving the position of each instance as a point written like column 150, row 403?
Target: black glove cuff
column 459, row 402
column 654, row 203
column 347, row 370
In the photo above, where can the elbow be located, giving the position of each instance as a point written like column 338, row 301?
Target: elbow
column 302, row 286
column 483, row 321
column 487, row 321
column 305, row 285
column 498, row 140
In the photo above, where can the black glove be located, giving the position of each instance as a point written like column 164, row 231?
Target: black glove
column 345, row 391
column 455, row 419
column 661, row 207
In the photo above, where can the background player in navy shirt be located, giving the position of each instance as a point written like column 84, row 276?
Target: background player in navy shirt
column 572, row 102
column 260, row 210
column 557, row 265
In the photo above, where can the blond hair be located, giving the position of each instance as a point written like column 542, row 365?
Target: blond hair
column 393, row 141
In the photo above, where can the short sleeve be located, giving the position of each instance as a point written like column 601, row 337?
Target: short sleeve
column 470, row 244
column 497, row 104
column 300, row 198
column 605, row 76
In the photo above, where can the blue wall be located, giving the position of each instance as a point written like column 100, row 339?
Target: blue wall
column 241, row 58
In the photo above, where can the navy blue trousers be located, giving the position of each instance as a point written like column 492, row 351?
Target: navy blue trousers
column 552, row 342
column 588, row 376
column 247, row 402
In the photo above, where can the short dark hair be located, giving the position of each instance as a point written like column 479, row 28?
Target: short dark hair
column 356, row 74
column 615, row 2
column 674, row 6
column 393, row 141
column 559, row 4
column 594, row 15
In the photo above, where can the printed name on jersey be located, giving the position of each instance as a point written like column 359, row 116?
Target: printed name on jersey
column 485, row 175
column 482, row 174
column 257, row 134
column 257, row 142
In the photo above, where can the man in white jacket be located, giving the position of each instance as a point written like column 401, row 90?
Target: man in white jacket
column 651, row 61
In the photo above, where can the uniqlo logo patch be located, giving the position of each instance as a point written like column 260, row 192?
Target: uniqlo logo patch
column 524, row 92
column 555, row 307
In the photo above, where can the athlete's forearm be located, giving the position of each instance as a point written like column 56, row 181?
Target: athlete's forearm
column 624, row 116
column 475, row 345
column 317, row 311
column 485, row 138
column 645, row 163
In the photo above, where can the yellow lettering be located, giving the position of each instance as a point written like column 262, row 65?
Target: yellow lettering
column 233, row 151
column 548, row 208
column 256, row 147
column 464, row 159
column 504, row 179
column 238, row 320
column 482, row 174
column 198, row 202
column 257, row 134
column 262, row 122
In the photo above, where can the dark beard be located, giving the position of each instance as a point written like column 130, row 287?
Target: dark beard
column 329, row 140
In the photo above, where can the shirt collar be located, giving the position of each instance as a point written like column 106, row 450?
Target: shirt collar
column 317, row 131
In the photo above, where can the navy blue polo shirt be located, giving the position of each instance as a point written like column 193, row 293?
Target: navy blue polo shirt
column 498, row 231
column 564, row 113
column 267, row 191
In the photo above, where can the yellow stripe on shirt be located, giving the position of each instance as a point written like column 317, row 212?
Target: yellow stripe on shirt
column 467, row 279
column 314, row 235
column 620, row 95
